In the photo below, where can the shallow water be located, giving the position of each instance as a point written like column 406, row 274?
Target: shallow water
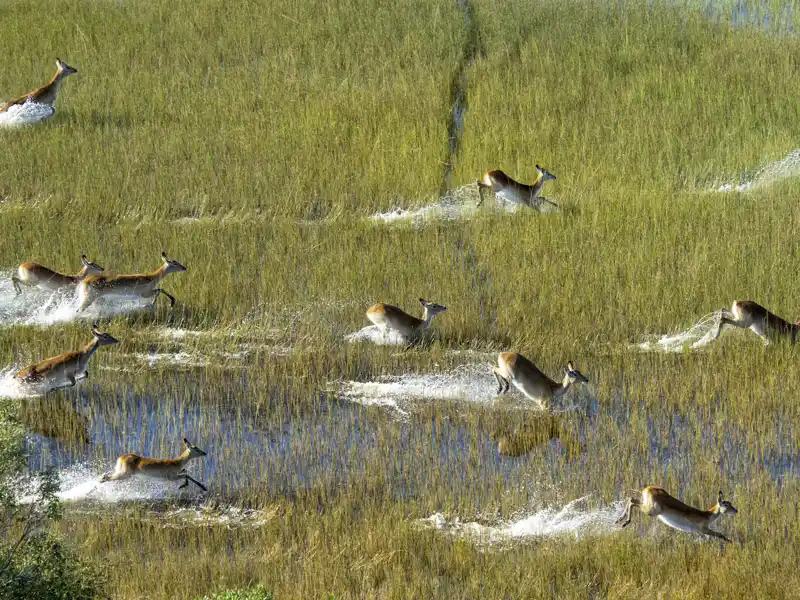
column 773, row 172
column 38, row 307
column 29, row 113
column 574, row 518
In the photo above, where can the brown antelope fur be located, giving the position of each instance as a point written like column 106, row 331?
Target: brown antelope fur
column 656, row 502
column 751, row 315
column 513, row 191
column 386, row 316
column 171, row 469
column 35, row 275
column 143, row 286
column 527, row 378
column 47, row 93
column 65, row 369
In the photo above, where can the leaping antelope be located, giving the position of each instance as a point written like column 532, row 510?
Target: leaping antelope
column 656, row 502
column 143, row 286
column 749, row 314
column 48, row 92
column 514, row 191
column 65, row 369
column 528, row 379
column 171, row 469
column 386, row 316
column 35, row 275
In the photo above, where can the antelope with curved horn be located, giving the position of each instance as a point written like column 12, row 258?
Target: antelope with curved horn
column 35, row 275
column 513, row 191
column 528, row 379
column 143, row 286
column 47, row 93
column 386, row 316
column 65, row 369
column 171, row 469
column 751, row 315
column 656, row 502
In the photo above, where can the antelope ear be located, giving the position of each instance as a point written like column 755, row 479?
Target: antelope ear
column 164, row 255
column 84, row 260
column 187, row 442
column 538, row 168
column 566, row 371
column 422, row 301
column 720, row 498
column 569, row 366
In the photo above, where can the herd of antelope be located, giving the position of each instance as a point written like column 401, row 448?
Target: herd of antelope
column 90, row 284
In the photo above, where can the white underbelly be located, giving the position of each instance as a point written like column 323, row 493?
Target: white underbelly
column 679, row 524
column 510, row 195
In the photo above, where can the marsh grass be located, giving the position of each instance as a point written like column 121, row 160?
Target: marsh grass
column 253, row 142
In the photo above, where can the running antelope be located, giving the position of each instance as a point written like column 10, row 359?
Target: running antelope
column 749, row 314
column 47, row 93
column 528, row 379
column 656, row 502
column 171, row 469
column 143, row 286
column 386, row 316
column 65, row 369
column 35, row 275
column 514, row 191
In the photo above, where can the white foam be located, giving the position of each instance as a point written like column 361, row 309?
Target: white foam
column 470, row 383
column 37, row 307
column 12, row 388
column 81, row 482
column 572, row 519
column 376, row 335
column 787, row 167
column 172, row 358
column 28, row 113
column 179, row 334
column 698, row 335
column 459, row 203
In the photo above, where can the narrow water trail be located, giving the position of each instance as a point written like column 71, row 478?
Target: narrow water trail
column 473, row 48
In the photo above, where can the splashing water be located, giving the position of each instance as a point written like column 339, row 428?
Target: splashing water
column 36, row 307
column 11, row 388
column 81, row 482
column 772, row 173
column 28, row 113
column 376, row 335
column 698, row 335
column 467, row 382
column 460, row 203
column 572, row 519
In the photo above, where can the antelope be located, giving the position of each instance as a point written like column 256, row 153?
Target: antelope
column 170, row 469
column 47, row 93
column 514, row 191
column 386, row 316
column 749, row 314
column 143, row 286
column 528, row 379
column 65, row 369
column 35, row 275
column 656, row 502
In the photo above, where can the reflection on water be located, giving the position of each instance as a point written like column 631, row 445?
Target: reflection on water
column 259, row 452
